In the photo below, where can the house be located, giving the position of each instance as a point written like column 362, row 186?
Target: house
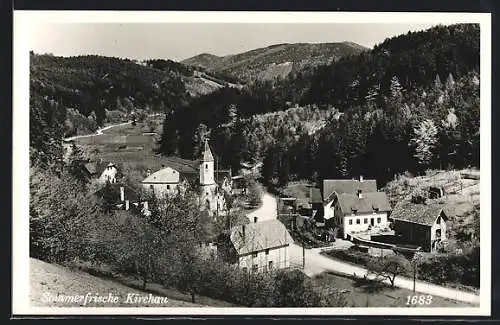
column 257, row 246
column 420, row 224
column 339, row 186
column 316, row 203
column 109, row 174
column 121, row 196
column 359, row 212
column 176, row 175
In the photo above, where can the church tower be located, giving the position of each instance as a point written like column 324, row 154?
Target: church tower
column 208, row 187
column 207, row 166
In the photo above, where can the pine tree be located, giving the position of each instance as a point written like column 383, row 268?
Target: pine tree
column 76, row 165
column 437, row 83
column 396, row 89
column 199, row 137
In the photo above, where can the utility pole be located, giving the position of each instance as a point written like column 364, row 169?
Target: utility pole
column 303, row 256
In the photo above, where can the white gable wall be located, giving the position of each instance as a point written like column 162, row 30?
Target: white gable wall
column 280, row 258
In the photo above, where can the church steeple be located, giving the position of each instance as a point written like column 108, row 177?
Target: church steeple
column 207, row 166
column 207, row 153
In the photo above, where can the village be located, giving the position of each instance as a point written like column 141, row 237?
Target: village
column 306, row 231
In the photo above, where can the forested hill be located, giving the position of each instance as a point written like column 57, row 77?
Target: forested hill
column 274, row 61
column 414, row 58
column 416, row 95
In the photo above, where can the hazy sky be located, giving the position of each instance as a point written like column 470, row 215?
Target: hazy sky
column 178, row 41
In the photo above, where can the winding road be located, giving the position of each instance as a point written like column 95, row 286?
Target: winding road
column 98, row 132
column 315, row 263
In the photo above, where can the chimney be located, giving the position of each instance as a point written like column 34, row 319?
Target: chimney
column 127, row 205
column 122, row 194
column 360, row 194
column 255, row 219
column 361, row 178
column 148, row 172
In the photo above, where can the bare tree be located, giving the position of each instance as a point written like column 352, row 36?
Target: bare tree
column 388, row 268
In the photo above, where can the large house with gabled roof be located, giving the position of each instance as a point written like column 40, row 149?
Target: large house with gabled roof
column 354, row 205
column 257, row 247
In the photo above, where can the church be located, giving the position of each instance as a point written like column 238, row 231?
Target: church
column 176, row 174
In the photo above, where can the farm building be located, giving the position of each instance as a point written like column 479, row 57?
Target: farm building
column 420, row 224
column 176, row 174
column 257, row 246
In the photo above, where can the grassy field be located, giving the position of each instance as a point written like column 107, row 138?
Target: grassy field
column 360, row 294
column 49, row 280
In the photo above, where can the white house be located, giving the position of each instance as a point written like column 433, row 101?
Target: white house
column 109, row 174
column 354, row 205
column 358, row 212
column 256, row 247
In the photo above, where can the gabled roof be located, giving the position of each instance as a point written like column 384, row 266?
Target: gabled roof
column 207, row 153
column 259, row 236
column 424, row 214
column 315, row 196
column 369, row 203
column 183, row 166
column 347, row 186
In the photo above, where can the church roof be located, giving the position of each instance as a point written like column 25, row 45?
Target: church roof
column 207, row 153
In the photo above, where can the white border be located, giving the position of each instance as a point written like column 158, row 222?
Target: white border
column 26, row 20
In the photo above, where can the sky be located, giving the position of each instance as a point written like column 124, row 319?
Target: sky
column 178, row 41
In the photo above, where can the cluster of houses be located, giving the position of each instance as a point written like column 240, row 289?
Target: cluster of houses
column 343, row 208
column 346, row 208
column 254, row 246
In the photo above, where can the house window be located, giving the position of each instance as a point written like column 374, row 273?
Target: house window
column 206, row 166
column 267, row 251
column 379, row 220
column 358, row 221
column 350, row 221
column 366, row 221
column 254, row 255
column 270, row 265
column 151, row 187
column 168, row 187
column 255, row 268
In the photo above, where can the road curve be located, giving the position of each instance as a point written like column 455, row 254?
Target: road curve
column 98, row 132
column 315, row 263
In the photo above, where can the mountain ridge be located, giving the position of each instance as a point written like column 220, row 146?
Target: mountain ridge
column 255, row 64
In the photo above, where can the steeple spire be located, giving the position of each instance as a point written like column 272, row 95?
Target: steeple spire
column 207, row 153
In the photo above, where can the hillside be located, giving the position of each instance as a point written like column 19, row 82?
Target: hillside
column 50, row 280
column 276, row 60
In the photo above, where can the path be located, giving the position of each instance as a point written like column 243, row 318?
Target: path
column 98, row 132
column 266, row 211
column 315, row 263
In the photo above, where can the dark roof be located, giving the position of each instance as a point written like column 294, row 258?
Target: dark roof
column 368, row 203
column 115, row 192
column 259, row 236
column 315, row 196
column 424, row 214
column 183, row 166
column 347, row 186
